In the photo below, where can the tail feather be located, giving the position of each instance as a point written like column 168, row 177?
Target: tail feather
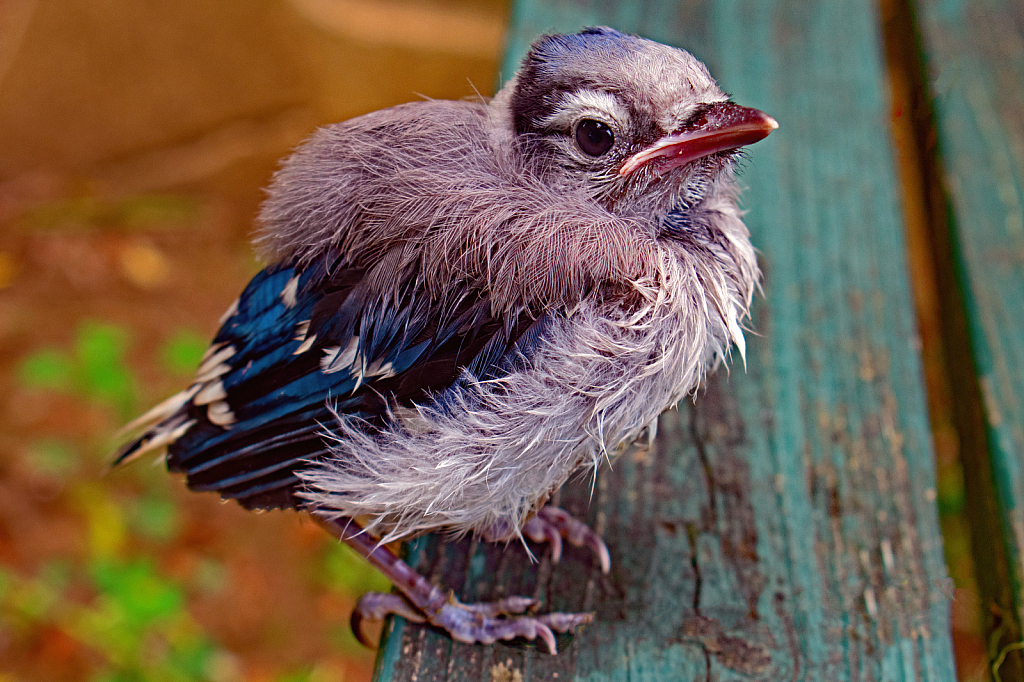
column 164, row 424
column 160, row 412
column 164, row 433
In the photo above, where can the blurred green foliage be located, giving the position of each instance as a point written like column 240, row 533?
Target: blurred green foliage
column 122, row 606
column 343, row 569
column 48, row 369
column 139, row 595
column 136, row 621
column 154, row 517
column 95, row 370
column 181, row 354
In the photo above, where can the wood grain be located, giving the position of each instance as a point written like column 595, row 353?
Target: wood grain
column 974, row 52
column 784, row 527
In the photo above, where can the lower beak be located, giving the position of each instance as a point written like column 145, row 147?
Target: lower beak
column 722, row 126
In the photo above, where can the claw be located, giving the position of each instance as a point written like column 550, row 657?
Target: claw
column 561, row 524
column 548, row 637
column 538, row 530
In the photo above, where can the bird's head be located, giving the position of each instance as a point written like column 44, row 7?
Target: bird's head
column 641, row 125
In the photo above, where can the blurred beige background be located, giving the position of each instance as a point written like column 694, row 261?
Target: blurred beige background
column 138, row 96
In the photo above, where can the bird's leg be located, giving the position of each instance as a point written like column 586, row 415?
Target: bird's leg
column 552, row 525
column 421, row 601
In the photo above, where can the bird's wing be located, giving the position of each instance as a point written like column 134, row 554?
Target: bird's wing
column 301, row 343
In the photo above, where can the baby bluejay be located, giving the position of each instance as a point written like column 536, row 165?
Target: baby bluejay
column 469, row 301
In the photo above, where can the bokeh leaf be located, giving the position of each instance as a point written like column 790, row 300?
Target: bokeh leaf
column 139, row 592
column 155, row 518
column 182, row 352
column 344, row 569
column 103, row 368
column 48, row 369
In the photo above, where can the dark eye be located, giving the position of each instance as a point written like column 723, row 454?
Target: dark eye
column 594, row 137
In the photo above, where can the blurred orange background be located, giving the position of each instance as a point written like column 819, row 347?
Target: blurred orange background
column 135, row 138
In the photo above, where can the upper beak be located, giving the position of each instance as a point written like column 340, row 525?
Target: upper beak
column 722, row 126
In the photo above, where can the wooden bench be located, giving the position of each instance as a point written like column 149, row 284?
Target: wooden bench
column 785, row 526
column 974, row 52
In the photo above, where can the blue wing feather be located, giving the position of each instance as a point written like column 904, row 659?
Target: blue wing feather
column 276, row 390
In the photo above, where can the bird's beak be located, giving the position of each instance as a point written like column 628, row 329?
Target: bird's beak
column 722, row 126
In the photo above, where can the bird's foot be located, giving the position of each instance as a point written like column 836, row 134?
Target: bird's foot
column 422, row 602
column 552, row 525
column 480, row 623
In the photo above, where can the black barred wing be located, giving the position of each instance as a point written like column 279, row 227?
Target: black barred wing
column 298, row 343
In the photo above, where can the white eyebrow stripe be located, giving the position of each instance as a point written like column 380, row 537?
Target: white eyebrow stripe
column 577, row 104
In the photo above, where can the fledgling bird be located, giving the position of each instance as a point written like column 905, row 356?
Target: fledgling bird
column 469, row 301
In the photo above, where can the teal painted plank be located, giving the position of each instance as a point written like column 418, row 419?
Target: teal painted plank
column 784, row 527
column 975, row 54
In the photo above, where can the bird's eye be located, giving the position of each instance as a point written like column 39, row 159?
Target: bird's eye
column 594, row 137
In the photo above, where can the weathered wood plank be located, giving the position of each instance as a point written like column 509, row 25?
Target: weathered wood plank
column 784, row 526
column 975, row 54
